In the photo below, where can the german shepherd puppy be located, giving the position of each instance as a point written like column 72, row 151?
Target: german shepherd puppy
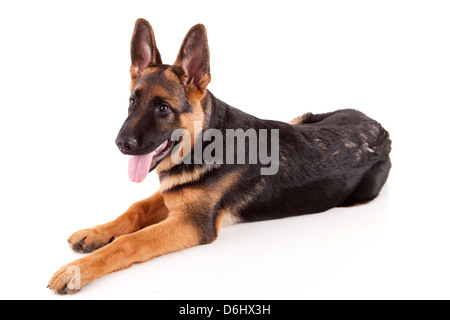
column 324, row 161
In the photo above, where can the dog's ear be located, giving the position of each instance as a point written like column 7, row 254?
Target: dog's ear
column 193, row 58
column 143, row 49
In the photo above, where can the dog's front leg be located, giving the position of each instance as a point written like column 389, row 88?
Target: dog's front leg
column 140, row 215
column 173, row 234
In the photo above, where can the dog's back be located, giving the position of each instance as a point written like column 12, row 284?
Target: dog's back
column 348, row 132
column 326, row 160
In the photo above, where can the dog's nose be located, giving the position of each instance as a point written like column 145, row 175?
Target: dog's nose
column 126, row 143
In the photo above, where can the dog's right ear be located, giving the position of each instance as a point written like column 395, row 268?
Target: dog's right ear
column 143, row 49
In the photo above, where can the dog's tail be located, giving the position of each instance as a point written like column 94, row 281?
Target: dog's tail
column 300, row 119
column 309, row 118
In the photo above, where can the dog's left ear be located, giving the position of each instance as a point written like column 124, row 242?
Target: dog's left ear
column 193, row 58
column 143, row 49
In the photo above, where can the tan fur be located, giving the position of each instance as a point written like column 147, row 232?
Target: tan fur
column 225, row 218
column 187, row 121
column 165, row 165
column 298, row 120
column 141, row 214
column 169, row 182
column 170, row 235
column 134, row 73
column 336, row 153
column 202, row 197
column 170, row 75
column 150, row 70
column 321, row 144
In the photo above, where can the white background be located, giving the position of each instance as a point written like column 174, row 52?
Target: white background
column 64, row 88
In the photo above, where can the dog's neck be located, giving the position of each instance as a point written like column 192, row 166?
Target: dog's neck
column 215, row 112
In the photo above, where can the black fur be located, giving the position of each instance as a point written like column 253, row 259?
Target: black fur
column 329, row 160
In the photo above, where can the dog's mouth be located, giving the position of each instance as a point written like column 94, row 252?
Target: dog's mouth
column 140, row 166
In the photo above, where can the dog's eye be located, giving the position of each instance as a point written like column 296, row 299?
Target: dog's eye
column 132, row 102
column 164, row 108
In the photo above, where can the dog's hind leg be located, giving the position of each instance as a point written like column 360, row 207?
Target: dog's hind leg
column 370, row 186
column 140, row 215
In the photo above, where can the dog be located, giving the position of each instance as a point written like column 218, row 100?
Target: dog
column 336, row 159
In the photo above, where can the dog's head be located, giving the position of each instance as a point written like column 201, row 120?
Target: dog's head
column 163, row 97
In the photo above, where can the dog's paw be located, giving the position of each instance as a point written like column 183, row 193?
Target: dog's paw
column 66, row 280
column 89, row 240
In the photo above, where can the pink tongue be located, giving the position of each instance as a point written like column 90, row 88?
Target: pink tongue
column 139, row 166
